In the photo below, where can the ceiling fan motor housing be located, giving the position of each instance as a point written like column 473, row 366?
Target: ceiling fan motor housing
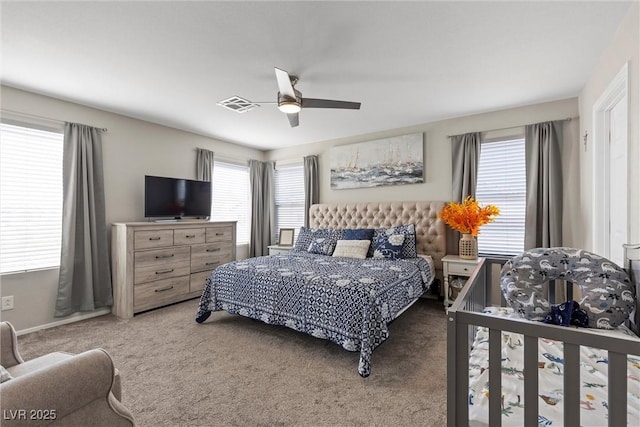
column 287, row 99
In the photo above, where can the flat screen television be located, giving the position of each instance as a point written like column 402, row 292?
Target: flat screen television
column 176, row 198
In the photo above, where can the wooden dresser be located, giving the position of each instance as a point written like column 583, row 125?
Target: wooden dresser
column 155, row 264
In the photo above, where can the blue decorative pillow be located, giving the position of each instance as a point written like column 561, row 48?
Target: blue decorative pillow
column 358, row 234
column 307, row 235
column 409, row 231
column 322, row 246
column 304, row 240
column 568, row 313
column 389, row 246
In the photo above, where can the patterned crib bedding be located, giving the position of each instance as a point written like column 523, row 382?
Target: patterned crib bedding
column 347, row 301
column 593, row 378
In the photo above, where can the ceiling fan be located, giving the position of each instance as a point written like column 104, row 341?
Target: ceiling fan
column 290, row 100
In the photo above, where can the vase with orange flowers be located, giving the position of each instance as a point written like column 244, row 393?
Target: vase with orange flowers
column 467, row 217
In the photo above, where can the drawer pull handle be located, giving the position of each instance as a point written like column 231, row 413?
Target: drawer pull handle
column 164, row 271
column 213, row 263
column 164, row 289
column 213, row 250
column 190, row 236
column 154, row 238
column 219, row 234
column 164, row 256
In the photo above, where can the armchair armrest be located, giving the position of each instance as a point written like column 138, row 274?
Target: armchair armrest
column 75, row 391
column 9, row 355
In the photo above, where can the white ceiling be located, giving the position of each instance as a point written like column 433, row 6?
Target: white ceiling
column 407, row 62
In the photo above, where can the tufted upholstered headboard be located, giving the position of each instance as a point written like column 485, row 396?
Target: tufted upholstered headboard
column 430, row 230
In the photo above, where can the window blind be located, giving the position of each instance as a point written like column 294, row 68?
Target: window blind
column 230, row 199
column 30, row 198
column 289, row 198
column 502, row 182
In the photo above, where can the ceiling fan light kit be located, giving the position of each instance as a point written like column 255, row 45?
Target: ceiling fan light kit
column 289, row 107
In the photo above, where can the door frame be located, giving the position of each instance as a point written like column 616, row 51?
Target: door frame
column 617, row 91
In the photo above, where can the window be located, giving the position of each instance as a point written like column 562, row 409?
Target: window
column 30, row 198
column 289, row 198
column 502, row 182
column 230, row 200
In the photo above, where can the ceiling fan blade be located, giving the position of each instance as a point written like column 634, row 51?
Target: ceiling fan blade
column 284, row 83
column 328, row 103
column 293, row 119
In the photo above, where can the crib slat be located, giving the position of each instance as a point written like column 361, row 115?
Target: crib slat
column 617, row 386
column 572, row 385
column 530, row 381
column 495, row 377
column 462, row 377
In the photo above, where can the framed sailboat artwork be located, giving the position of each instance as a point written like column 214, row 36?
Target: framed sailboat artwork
column 389, row 161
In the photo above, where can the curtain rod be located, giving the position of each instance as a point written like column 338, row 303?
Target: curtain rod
column 45, row 118
column 568, row 119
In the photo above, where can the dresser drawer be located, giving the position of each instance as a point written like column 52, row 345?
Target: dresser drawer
column 156, row 293
column 162, row 257
column 152, row 239
column 461, row 269
column 210, row 255
column 197, row 281
column 189, row 236
column 219, row 234
column 157, row 272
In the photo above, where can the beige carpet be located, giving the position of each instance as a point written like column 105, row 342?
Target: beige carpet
column 236, row 371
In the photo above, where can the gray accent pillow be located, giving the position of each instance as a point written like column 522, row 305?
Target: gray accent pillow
column 608, row 294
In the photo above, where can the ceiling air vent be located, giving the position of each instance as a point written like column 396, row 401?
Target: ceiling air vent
column 237, row 104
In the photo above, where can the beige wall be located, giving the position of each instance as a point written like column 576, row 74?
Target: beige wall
column 131, row 148
column 624, row 48
column 438, row 184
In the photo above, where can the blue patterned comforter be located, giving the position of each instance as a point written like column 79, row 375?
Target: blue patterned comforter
column 347, row 301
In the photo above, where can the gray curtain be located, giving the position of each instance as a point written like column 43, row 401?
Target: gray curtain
column 465, row 157
column 311, row 185
column 261, row 178
column 204, row 164
column 543, row 218
column 465, row 150
column 85, row 276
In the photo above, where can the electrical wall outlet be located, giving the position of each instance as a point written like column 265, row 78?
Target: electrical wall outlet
column 7, row 303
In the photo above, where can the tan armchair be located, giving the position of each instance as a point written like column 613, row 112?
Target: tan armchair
column 60, row 388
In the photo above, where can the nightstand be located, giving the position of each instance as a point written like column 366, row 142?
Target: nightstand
column 453, row 265
column 276, row 249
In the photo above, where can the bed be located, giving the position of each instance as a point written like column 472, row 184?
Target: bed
column 347, row 301
column 546, row 374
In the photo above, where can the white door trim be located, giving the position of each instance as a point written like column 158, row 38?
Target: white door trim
column 618, row 90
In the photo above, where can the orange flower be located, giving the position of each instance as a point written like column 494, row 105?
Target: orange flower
column 468, row 216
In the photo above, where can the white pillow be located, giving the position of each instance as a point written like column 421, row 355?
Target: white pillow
column 352, row 248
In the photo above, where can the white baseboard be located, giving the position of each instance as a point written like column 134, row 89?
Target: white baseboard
column 71, row 319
